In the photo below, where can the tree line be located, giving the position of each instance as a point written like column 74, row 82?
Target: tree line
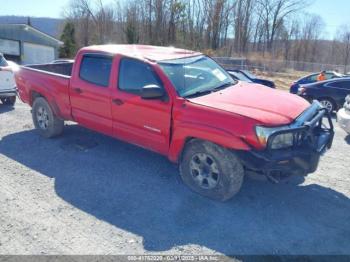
column 275, row 29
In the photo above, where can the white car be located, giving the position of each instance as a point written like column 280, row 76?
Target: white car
column 344, row 115
column 7, row 83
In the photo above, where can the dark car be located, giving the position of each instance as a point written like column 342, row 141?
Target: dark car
column 312, row 79
column 330, row 93
column 253, row 78
column 239, row 76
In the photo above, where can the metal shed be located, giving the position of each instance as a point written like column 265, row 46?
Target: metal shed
column 26, row 45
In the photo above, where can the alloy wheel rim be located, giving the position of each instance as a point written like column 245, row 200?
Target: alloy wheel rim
column 204, row 171
column 327, row 104
column 42, row 118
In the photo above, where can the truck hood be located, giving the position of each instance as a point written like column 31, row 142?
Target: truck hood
column 269, row 106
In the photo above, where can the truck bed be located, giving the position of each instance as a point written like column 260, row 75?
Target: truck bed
column 49, row 80
column 64, row 69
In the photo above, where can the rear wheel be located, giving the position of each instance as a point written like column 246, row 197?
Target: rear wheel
column 328, row 104
column 9, row 101
column 211, row 170
column 45, row 121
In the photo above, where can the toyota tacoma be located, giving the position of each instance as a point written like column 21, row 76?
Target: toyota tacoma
column 183, row 105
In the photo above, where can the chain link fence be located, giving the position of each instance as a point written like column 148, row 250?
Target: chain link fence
column 277, row 66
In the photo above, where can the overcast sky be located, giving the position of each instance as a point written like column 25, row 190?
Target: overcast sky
column 333, row 12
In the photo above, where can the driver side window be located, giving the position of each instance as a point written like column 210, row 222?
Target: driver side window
column 135, row 74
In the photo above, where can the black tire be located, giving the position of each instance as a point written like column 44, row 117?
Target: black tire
column 45, row 121
column 328, row 103
column 9, row 101
column 225, row 184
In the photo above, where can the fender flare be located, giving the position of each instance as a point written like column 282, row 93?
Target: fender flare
column 41, row 89
column 187, row 131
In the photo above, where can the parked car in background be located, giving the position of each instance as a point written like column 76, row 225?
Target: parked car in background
column 343, row 115
column 330, row 93
column 59, row 61
column 183, row 105
column 7, row 82
column 312, row 79
column 239, row 76
column 253, row 78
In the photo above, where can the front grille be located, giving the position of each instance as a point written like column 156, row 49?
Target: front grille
column 307, row 128
column 299, row 139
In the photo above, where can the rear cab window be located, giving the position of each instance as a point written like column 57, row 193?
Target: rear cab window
column 135, row 74
column 96, row 69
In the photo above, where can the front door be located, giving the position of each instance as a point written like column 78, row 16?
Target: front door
column 338, row 90
column 136, row 120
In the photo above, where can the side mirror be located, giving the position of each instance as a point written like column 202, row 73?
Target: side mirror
column 152, row 92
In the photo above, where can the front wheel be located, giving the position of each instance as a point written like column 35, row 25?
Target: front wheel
column 211, row 170
column 45, row 121
column 9, row 101
column 328, row 104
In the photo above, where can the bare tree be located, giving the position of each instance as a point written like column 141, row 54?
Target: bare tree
column 273, row 13
column 243, row 16
column 267, row 28
column 344, row 45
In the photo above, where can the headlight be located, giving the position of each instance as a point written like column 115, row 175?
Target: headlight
column 280, row 141
column 301, row 90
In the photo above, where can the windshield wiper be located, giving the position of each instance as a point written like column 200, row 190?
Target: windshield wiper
column 223, row 86
column 208, row 91
column 198, row 93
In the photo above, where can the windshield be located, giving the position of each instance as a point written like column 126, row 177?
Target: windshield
column 240, row 76
column 249, row 74
column 196, row 75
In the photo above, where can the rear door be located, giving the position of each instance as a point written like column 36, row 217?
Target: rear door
column 142, row 122
column 90, row 92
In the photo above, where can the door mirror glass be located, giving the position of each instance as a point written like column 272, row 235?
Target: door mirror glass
column 152, row 92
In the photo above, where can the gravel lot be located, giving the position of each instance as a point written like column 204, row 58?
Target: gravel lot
column 85, row 193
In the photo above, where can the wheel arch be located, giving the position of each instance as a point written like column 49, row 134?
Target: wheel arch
column 186, row 133
column 330, row 99
column 34, row 94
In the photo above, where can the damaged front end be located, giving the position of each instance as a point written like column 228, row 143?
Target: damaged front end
column 294, row 149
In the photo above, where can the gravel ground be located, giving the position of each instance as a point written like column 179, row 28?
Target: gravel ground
column 85, row 193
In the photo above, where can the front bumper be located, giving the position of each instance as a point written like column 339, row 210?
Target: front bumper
column 312, row 138
column 306, row 97
column 8, row 92
column 344, row 119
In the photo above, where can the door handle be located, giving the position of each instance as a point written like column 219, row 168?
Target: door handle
column 78, row 90
column 117, row 101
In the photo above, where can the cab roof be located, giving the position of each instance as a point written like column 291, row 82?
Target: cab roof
column 143, row 52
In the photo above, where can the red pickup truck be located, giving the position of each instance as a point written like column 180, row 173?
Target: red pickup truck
column 183, row 105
